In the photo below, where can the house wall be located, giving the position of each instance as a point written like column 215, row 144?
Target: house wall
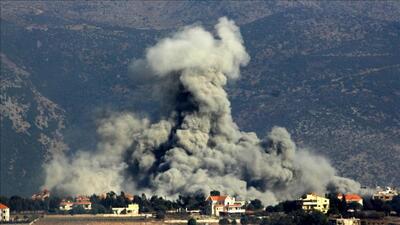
column 314, row 202
column 5, row 215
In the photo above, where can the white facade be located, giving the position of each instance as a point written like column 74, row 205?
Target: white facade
column 66, row 205
column 4, row 213
column 312, row 201
column 385, row 195
column 225, row 205
column 132, row 210
column 345, row 221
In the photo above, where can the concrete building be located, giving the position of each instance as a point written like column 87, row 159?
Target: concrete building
column 131, row 210
column 310, row 202
column 385, row 195
column 344, row 221
column 85, row 204
column 66, row 205
column 4, row 213
column 220, row 205
column 350, row 198
column 41, row 195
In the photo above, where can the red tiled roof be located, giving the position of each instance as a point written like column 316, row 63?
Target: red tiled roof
column 3, row 206
column 217, row 198
column 352, row 197
column 82, row 203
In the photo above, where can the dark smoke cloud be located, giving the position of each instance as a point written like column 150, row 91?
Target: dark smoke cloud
column 197, row 147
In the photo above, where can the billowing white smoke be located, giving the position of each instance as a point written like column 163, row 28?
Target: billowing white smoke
column 197, row 147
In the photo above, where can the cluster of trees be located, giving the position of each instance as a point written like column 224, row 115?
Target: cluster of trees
column 298, row 217
column 159, row 206
column 383, row 206
column 153, row 204
column 341, row 207
column 17, row 203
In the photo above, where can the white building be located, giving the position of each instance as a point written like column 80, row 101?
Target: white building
column 4, row 213
column 131, row 210
column 66, row 205
column 225, row 205
column 344, row 221
column 385, row 195
column 312, row 201
column 85, row 204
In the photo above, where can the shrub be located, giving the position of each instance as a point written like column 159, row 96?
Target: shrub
column 192, row 221
column 223, row 221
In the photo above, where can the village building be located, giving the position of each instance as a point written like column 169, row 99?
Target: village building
column 85, row 205
column 344, row 221
column 350, row 198
column 83, row 201
column 41, row 195
column 385, row 195
column 131, row 210
column 4, row 213
column 310, row 202
column 66, row 205
column 223, row 205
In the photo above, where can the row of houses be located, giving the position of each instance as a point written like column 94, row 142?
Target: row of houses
column 80, row 201
column 84, row 202
column 220, row 205
column 223, row 205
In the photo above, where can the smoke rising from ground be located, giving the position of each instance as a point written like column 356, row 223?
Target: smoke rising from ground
column 197, row 146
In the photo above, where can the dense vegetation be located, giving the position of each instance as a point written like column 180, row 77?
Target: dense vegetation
column 284, row 213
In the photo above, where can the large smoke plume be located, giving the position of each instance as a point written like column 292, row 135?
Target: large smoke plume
column 197, row 146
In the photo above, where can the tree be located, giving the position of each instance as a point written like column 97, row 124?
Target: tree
column 223, row 221
column 276, row 208
column 192, row 221
column 255, row 204
column 215, row 193
column 98, row 209
column 334, row 203
column 54, row 203
column 94, row 199
column 395, row 203
column 4, row 200
column 16, row 203
column 355, row 206
column 244, row 220
column 77, row 210
column 160, row 215
column 290, row 206
column 313, row 218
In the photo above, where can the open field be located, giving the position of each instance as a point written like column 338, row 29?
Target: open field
column 101, row 220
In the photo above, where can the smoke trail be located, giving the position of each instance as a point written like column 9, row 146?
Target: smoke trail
column 197, row 147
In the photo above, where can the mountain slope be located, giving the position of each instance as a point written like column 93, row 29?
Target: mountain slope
column 328, row 71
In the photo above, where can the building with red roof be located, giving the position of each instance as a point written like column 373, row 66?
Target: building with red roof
column 4, row 213
column 83, row 201
column 349, row 198
column 224, row 204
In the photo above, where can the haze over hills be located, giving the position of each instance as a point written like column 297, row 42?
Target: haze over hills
column 327, row 71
